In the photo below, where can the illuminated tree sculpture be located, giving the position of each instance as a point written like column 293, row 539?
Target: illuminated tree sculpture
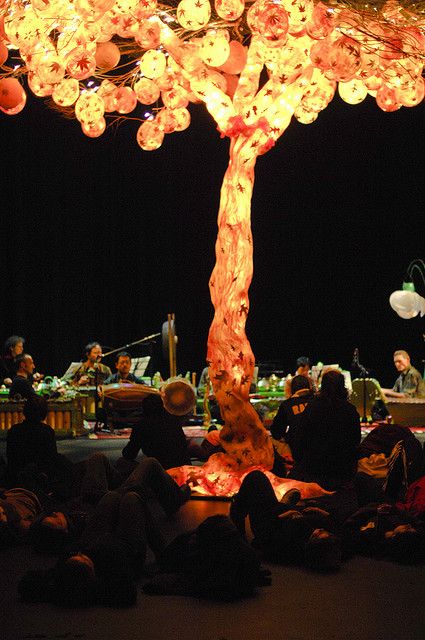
column 255, row 65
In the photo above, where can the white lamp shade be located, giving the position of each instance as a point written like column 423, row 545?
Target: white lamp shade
column 407, row 304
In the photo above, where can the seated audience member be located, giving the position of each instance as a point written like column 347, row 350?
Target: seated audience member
column 285, row 531
column 13, row 347
column 21, row 386
column 213, row 561
column 112, row 550
column 327, row 437
column 385, row 530
column 123, row 366
column 158, row 434
column 290, row 411
column 375, row 480
column 410, row 383
column 91, row 372
column 31, row 442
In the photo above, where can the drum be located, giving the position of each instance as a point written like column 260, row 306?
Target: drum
column 125, row 396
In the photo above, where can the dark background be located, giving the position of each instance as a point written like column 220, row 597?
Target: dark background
column 100, row 240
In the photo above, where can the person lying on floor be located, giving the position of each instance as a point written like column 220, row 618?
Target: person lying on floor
column 385, row 530
column 112, row 550
column 213, row 561
column 283, row 531
column 57, row 527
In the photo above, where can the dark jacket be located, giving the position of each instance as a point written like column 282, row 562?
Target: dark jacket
column 325, row 447
column 289, row 415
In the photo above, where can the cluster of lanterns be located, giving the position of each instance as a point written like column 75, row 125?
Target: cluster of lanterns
column 109, row 56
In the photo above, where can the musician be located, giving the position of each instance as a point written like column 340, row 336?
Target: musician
column 123, row 375
column 91, row 372
column 22, row 382
column 13, row 347
column 410, row 383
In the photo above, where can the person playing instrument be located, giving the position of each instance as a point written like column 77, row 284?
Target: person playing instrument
column 123, row 375
column 92, row 372
column 13, row 347
column 409, row 383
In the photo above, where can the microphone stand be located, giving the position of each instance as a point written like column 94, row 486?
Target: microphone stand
column 363, row 374
column 131, row 344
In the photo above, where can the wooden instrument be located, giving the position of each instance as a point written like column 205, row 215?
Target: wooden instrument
column 125, row 395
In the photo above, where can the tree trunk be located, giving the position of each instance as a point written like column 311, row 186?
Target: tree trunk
column 230, row 358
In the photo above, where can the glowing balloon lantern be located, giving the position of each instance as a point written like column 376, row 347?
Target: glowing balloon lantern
column 147, row 92
column 50, row 69
column 107, row 55
column 80, row 63
column 237, row 58
column 175, row 98
column 89, row 107
column 153, row 63
column 352, row 92
column 94, row 129
column 18, row 108
column 148, row 36
column 215, row 48
column 66, row 92
column 193, row 14
column 229, row 9
column 387, row 99
column 11, row 93
column 269, row 21
column 126, row 99
column 182, row 118
column 150, row 136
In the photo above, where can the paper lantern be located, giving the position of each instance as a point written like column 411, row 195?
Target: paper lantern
column 89, row 107
column 126, row 99
column 107, row 55
column 80, row 63
column 412, row 95
column 17, row 108
column 269, row 21
column 106, row 91
column 50, row 69
column 299, row 14
column 352, row 92
column 304, row 116
column 215, row 48
column 344, row 60
column 150, row 136
column 387, row 99
column 66, row 92
column 153, row 63
column 320, row 23
column 148, row 36
column 166, row 120
column 193, row 14
column 237, row 58
column 145, row 9
column 182, row 117
column 147, row 92
column 94, row 129
column 229, row 9
column 175, row 98
column 38, row 87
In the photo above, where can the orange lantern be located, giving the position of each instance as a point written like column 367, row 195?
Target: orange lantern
column 107, row 56
column 50, row 69
column 106, row 91
column 148, row 36
column 387, row 99
column 153, row 63
column 147, row 92
column 237, row 58
column 12, row 111
column 66, row 92
column 194, row 14
column 215, row 48
column 94, row 129
column 352, row 92
column 182, row 118
column 126, row 99
column 150, row 136
column 11, row 93
column 80, row 63
column 89, row 107
column 229, row 9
